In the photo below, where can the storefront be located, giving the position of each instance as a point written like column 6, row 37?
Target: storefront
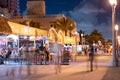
column 61, row 37
column 12, row 41
column 53, row 35
column 25, row 33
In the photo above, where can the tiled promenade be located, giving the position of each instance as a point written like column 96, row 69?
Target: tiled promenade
column 74, row 71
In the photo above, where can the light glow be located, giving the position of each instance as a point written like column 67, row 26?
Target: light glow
column 116, row 27
column 113, row 2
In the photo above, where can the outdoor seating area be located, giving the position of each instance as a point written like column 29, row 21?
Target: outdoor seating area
column 28, row 58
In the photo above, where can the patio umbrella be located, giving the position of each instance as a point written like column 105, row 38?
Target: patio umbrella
column 15, row 37
column 4, row 26
column 3, row 38
column 44, row 38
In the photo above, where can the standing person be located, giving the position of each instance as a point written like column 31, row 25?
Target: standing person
column 47, row 54
column 66, row 55
column 57, row 56
column 1, row 56
column 8, row 53
column 91, row 56
column 36, row 56
column 42, row 53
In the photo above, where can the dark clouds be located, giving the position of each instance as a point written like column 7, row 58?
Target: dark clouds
column 89, row 14
column 92, row 15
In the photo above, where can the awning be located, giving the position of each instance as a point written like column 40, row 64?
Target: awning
column 4, row 26
column 20, row 29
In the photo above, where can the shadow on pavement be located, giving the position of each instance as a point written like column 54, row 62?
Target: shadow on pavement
column 113, row 73
column 82, row 72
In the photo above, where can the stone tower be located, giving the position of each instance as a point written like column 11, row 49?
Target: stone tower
column 36, row 7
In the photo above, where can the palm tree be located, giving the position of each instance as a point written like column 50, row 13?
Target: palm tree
column 65, row 24
column 72, row 27
column 95, row 36
column 81, row 32
column 4, row 26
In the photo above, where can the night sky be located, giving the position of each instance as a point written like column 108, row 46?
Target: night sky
column 89, row 14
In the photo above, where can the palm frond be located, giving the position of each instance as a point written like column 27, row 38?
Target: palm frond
column 64, row 24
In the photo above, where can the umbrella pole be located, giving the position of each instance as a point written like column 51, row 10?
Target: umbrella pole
column 6, row 43
column 18, row 45
column 34, row 44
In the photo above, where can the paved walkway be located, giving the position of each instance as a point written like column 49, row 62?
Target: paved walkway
column 74, row 71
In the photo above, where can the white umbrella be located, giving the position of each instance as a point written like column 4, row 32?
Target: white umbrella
column 12, row 36
column 44, row 38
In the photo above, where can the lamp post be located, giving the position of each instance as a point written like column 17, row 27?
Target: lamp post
column 82, row 42
column 116, row 40
column 116, row 36
column 76, row 34
column 118, row 45
column 113, row 4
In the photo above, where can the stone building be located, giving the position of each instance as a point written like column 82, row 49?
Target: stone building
column 36, row 12
column 36, row 8
column 9, row 7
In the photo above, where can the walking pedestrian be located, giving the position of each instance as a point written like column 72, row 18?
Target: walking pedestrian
column 47, row 54
column 57, row 50
column 42, row 50
column 91, row 56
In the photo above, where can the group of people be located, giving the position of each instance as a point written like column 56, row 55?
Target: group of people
column 8, row 53
column 42, row 54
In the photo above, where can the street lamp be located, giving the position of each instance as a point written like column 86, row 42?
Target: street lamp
column 116, row 40
column 118, row 45
column 116, row 27
column 116, row 35
column 82, row 41
column 113, row 4
column 76, row 35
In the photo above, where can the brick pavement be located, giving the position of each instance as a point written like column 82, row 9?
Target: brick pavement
column 74, row 71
